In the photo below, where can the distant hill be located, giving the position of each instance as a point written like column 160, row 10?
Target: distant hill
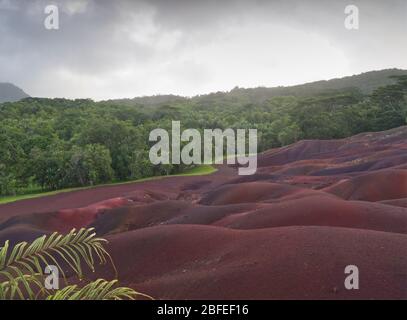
column 150, row 100
column 11, row 93
column 364, row 82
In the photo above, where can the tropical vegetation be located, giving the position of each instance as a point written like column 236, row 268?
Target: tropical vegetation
column 52, row 144
column 23, row 268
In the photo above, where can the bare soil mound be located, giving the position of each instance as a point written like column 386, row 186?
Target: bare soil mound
column 286, row 232
column 201, row 262
column 377, row 186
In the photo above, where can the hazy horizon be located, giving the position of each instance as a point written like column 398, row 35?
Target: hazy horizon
column 192, row 96
column 125, row 49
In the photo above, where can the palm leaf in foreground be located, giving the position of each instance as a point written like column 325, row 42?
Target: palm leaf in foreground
column 21, row 268
column 97, row 290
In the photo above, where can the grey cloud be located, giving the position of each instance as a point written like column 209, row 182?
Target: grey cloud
column 126, row 48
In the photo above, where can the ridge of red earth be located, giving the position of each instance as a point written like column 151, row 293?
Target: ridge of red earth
column 286, row 232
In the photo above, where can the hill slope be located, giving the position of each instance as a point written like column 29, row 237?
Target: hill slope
column 366, row 83
column 11, row 93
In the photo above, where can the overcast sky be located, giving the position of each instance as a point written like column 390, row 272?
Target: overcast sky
column 126, row 48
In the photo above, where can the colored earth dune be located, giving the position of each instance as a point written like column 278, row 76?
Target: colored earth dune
column 287, row 232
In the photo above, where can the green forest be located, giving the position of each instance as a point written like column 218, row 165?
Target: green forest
column 51, row 144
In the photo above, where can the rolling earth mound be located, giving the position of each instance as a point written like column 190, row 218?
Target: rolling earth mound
column 286, row 232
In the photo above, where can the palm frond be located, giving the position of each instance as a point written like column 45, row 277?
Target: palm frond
column 97, row 290
column 70, row 248
column 22, row 268
column 23, row 287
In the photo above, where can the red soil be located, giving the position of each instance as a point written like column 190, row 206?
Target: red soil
column 377, row 186
column 322, row 211
column 396, row 202
column 202, row 262
column 286, row 232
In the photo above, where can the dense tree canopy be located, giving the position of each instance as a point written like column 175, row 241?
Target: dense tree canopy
column 59, row 143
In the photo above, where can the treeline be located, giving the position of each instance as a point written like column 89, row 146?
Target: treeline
column 58, row 143
column 54, row 144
